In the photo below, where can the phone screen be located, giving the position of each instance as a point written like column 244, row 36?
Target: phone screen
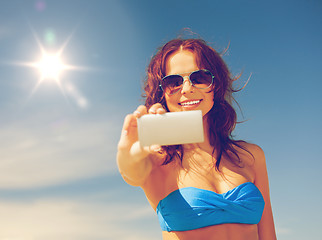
column 171, row 128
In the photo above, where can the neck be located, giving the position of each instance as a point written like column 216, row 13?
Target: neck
column 205, row 145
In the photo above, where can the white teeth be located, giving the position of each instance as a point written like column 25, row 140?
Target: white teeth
column 190, row 103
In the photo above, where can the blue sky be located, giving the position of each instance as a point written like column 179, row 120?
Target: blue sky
column 58, row 176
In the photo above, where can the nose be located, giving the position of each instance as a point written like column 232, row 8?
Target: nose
column 186, row 85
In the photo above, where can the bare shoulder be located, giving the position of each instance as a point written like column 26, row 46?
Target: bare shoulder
column 259, row 165
column 250, row 154
column 255, row 150
column 259, row 156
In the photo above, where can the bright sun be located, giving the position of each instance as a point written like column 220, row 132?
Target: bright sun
column 50, row 66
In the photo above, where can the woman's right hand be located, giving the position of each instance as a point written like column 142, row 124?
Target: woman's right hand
column 129, row 137
column 130, row 153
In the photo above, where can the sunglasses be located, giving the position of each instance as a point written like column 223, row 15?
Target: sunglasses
column 201, row 79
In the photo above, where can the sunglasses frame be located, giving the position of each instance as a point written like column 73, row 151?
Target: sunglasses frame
column 205, row 70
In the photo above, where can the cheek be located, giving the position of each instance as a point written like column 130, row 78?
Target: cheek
column 210, row 99
column 172, row 103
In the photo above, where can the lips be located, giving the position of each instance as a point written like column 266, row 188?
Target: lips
column 190, row 103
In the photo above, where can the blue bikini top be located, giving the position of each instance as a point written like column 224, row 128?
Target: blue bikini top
column 191, row 208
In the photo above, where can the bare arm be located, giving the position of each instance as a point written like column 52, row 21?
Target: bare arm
column 266, row 229
column 135, row 163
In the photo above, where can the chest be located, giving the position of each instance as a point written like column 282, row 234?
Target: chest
column 197, row 170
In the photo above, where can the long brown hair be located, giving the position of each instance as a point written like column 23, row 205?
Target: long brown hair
column 222, row 117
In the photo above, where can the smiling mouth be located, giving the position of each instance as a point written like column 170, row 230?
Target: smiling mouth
column 190, row 103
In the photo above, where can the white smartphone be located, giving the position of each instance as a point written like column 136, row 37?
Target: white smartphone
column 171, row 128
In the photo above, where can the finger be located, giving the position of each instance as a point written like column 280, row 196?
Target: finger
column 155, row 148
column 128, row 123
column 161, row 111
column 140, row 111
column 156, row 108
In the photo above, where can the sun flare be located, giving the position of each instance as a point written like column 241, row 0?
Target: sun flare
column 50, row 66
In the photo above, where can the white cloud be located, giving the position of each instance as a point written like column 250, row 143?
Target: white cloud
column 62, row 151
column 54, row 219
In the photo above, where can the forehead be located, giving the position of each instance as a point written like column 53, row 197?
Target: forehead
column 181, row 62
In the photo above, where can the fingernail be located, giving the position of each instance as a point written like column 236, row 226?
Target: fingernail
column 156, row 148
column 125, row 132
column 161, row 111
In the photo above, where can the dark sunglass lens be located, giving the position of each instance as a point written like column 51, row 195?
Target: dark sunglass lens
column 201, row 78
column 172, row 83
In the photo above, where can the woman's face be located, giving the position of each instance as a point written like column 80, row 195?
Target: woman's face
column 189, row 97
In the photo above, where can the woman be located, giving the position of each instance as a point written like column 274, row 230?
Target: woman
column 217, row 189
